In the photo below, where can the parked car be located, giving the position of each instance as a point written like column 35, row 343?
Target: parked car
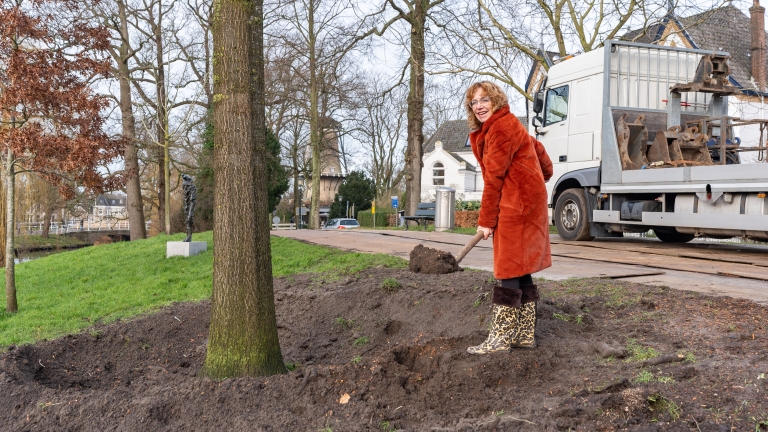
column 342, row 223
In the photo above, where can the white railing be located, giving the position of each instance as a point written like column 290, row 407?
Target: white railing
column 283, row 226
column 75, row 225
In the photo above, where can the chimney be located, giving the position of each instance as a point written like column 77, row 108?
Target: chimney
column 757, row 47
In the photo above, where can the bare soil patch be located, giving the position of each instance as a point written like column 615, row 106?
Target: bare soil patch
column 391, row 345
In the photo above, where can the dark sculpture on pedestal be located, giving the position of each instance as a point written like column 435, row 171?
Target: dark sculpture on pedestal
column 190, row 197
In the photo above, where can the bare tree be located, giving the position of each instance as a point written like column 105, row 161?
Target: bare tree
column 320, row 37
column 416, row 14
column 114, row 16
column 169, row 88
column 499, row 39
column 380, row 129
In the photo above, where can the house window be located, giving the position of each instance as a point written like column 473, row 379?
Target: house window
column 438, row 174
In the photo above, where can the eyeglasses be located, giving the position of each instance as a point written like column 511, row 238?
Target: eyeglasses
column 483, row 101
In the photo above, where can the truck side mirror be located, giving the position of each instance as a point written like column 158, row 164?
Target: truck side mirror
column 538, row 102
column 537, row 122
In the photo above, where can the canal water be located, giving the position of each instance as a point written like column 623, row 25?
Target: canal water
column 24, row 256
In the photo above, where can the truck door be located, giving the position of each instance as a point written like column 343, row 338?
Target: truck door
column 554, row 133
column 581, row 128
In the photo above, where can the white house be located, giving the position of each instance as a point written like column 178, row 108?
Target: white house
column 109, row 205
column 448, row 161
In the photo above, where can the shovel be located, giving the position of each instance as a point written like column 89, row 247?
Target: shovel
column 433, row 261
column 468, row 247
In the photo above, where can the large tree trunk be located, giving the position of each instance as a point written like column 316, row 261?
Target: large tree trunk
column 134, row 203
column 11, row 304
column 414, row 152
column 243, row 331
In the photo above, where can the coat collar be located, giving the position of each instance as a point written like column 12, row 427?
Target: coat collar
column 501, row 112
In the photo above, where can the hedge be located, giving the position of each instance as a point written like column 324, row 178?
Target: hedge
column 365, row 217
column 466, row 218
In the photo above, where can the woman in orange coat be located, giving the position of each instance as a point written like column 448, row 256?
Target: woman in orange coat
column 513, row 209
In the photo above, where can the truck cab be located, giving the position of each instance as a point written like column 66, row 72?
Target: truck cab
column 635, row 131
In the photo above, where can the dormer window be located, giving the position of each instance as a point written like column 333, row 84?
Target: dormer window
column 438, row 174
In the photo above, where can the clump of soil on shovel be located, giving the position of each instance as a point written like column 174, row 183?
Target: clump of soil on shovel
column 432, row 261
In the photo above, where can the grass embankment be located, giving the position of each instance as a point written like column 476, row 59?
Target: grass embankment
column 33, row 242
column 70, row 291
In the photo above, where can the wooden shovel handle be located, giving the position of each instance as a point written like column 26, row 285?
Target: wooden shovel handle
column 470, row 244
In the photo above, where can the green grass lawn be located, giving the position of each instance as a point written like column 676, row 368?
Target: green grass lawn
column 69, row 291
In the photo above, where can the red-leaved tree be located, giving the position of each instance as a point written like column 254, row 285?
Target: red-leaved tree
column 51, row 120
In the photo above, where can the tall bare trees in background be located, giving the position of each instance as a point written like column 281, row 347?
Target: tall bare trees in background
column 379, row 127
column 320, row 73
column 499, row 39
column 316, row 39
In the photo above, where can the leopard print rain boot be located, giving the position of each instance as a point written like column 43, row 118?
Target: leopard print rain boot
column 524, row 335
column 506, row 308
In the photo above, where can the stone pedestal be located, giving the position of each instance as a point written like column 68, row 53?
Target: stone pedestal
column 186, row 249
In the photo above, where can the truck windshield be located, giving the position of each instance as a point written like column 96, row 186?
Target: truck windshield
column 557, row 105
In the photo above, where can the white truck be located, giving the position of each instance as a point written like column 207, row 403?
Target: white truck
column 640, row 139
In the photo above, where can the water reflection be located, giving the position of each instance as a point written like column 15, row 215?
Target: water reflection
column 24, row 256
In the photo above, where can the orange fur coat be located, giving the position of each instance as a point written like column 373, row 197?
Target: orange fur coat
column 514, row 167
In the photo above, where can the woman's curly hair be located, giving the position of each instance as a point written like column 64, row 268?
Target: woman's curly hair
column 491, row 90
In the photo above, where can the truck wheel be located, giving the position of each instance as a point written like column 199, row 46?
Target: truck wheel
column 571, row 215
column 672, row 236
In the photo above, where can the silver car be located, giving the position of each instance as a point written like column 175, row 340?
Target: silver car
column 342, row 223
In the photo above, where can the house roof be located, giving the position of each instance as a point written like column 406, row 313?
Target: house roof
column 456, row 156
column 110, row 200
column 722, row 29
column 453, row 135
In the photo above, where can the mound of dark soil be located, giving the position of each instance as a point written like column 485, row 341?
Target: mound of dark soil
column 374, row 355
column 431, row 261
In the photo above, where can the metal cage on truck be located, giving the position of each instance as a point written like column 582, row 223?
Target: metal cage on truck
column 650, row 145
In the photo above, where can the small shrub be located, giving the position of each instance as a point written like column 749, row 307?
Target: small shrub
column 638, row 352
column 665, row 379
column 657, row 402
column 385, row 426
column 644, row 377
column 344, row 323
column 391, row 284
column 480, row 299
